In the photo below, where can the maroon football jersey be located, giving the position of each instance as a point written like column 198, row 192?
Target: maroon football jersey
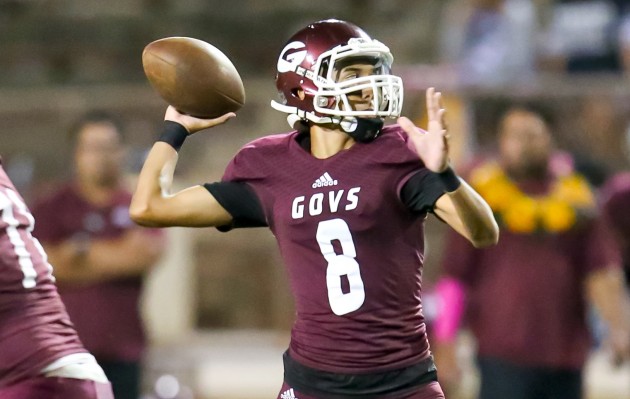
column 34, row 326
column 352, row 249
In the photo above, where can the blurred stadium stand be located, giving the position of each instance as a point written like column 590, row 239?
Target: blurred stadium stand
column 219, row 308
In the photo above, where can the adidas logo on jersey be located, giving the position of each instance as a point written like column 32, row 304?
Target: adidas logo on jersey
column 288, row 394
column 324, row 181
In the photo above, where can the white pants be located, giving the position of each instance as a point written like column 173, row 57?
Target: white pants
column 82, row 366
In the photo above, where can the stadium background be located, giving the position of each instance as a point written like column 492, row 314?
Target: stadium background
column 218, row 307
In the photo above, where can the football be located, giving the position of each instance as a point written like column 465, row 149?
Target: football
column 193, row 76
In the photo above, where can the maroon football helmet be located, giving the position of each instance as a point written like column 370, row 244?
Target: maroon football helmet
column 309, row 61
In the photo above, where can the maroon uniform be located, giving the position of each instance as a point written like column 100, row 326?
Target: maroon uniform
column 110, row 327
column 57, row 388
column 352, row 248
column 34, row 327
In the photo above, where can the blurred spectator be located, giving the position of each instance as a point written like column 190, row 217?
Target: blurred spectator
column 522, row 297
column 598, row 137
column 583, row 36
column 490, row 41
column 100, row 256
column 624, row 41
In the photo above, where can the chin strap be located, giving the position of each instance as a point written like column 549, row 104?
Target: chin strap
column 363, row 130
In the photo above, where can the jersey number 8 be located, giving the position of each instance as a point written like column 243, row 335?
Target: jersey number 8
column 339, row 265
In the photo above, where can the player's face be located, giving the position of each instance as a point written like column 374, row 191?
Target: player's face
column 525, row 143
column 360, row 100
column 99, row 154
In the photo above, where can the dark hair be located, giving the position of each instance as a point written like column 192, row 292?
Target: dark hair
column 93, row 117
column 530, row 106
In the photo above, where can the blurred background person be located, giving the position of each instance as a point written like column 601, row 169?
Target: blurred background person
column 490, row 42
column 583, row 36
column 101, row 256
column 624, row 40
column 525, row 299
column 65, row 57
column 599, row 138
column 41, row 355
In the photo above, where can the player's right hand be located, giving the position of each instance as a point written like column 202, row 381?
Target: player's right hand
column 193, row 124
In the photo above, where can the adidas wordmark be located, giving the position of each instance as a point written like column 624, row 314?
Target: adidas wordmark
column 288, row 394
column 324, row 181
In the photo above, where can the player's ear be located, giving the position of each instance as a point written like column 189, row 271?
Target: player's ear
column 300, row 94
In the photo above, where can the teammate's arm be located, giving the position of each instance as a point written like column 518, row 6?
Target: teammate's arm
column 461, row 207
column 153, row 204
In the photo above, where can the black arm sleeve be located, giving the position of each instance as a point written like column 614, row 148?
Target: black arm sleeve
column 241, row 202
column 421, row 191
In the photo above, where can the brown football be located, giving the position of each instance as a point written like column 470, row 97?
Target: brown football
column 193, row 76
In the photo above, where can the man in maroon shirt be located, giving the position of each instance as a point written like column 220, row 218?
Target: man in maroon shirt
column 346, row 199
column 41, row 355
column 526, row 297
column 100, row 256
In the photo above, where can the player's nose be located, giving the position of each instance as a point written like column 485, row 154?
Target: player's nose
column 367, row 94
column 367, row 97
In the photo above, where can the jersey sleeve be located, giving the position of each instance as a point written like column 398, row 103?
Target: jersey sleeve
column 420, row 192
column 240, row 190
column 248, row 165
column 240, row 201
column 417, row 187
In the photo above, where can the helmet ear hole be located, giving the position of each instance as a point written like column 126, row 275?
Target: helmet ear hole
column 298, row 93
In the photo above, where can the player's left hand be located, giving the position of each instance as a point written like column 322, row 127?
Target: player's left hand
column 432, row 146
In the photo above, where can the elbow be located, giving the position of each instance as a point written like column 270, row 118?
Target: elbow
column 486, row 237
column 141, row 215
column 485, row 242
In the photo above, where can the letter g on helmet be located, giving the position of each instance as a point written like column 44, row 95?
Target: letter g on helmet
column 307, row 63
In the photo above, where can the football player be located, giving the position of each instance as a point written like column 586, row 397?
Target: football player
column 346, row 198
column 41, row 355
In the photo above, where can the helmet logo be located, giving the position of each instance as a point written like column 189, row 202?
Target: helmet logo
column 289, row 61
